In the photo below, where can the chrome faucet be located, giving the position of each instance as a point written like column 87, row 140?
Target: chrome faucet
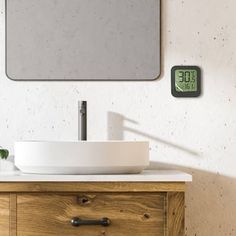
column 82, row 120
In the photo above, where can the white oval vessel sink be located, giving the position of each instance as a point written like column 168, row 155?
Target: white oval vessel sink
column 82, row 157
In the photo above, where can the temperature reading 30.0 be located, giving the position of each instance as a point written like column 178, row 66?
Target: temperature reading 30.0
column 186, row 80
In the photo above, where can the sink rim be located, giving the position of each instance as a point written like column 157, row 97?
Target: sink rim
column 83, row 141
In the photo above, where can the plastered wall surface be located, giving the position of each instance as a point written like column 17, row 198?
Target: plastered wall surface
column 195, row 135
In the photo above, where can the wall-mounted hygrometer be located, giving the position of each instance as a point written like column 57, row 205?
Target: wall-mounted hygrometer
column 186, row 81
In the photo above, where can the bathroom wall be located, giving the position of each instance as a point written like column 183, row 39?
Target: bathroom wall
column 196, row 135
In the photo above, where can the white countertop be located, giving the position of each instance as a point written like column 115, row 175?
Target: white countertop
column 145, row 176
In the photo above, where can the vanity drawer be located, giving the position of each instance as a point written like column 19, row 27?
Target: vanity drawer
column 131, row 214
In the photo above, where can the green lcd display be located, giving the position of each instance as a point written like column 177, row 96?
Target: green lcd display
column 186, row 81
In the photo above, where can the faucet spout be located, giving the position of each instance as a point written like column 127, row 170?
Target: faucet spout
column 82, row 120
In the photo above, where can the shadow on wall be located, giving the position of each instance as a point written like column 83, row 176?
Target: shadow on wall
column 210, row 202
column 116, row 126
column 210, row 198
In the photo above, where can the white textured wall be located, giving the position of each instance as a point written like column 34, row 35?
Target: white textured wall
column 196, row 135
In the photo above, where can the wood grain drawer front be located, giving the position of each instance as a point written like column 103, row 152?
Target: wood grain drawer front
column 131, row 214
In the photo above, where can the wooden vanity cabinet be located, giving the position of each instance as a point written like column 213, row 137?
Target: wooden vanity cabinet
column 133, row 209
